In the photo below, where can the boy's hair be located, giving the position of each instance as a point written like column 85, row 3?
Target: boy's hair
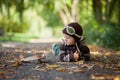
column 77, row 30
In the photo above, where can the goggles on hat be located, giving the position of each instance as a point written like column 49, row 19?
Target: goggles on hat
column 71, row 31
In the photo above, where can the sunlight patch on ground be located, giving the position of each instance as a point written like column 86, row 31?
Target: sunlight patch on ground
column 10, row 44
column 46, row 40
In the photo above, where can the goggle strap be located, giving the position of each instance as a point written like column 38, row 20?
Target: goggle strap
column 77, row 35
column 78, row 49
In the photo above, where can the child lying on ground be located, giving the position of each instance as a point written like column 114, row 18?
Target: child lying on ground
column 73, row 47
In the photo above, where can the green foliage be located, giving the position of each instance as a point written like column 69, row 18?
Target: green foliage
column 11, row 26
column 104, row 35
column 49, row 14
column 92, row 32
column 111, row 37
column 57, row 31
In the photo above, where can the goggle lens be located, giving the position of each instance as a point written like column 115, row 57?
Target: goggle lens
column 70, row 30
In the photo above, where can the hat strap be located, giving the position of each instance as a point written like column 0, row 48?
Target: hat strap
column 78, row 49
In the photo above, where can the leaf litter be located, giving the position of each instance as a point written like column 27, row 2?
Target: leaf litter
column 103, row 59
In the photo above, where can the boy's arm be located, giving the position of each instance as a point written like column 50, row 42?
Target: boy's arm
column 85, row 52
column 64, row 56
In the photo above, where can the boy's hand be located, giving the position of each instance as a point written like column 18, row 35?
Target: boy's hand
column 76, row 55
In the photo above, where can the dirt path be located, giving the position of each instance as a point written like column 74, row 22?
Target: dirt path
column 104, row 64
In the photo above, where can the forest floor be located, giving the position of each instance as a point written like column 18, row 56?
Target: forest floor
column 104, row 64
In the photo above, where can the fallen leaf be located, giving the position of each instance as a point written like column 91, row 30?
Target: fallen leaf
column 4, row 65
column 58, row 78
column 2, row 76
column 76, row 69
column 71, row 72
column 32, row 77
column 37, row 67
column 117, row 68
column 90, row 67
column 16, row 64
column 97, row 77
column 117, row 77
column 108, row 54
column 54, row 66
column 2, row 73
column 79, row 62
column 9, row 76
column 22, row 56
column 61, row 69
column 80, row 70
column 51, row 67
column 43, row 70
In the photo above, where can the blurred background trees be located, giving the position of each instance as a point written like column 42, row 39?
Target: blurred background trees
column 28, row 19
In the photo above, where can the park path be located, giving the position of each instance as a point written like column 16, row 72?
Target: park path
column 104, row 64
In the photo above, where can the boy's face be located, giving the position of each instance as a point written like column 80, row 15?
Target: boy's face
column 69, row 40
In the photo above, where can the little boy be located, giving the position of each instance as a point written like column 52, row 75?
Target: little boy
column 73, row 47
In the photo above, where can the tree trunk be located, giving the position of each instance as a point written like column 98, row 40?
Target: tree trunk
column 8, row 8
column 118, row 12
column 97, row 9
column 62, row 16
column 111, row 9
column 74, row 10
column 106, row 10
column 21, row 9
column 68, row 14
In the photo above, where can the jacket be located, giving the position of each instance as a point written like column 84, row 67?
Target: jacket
column 66, row 52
